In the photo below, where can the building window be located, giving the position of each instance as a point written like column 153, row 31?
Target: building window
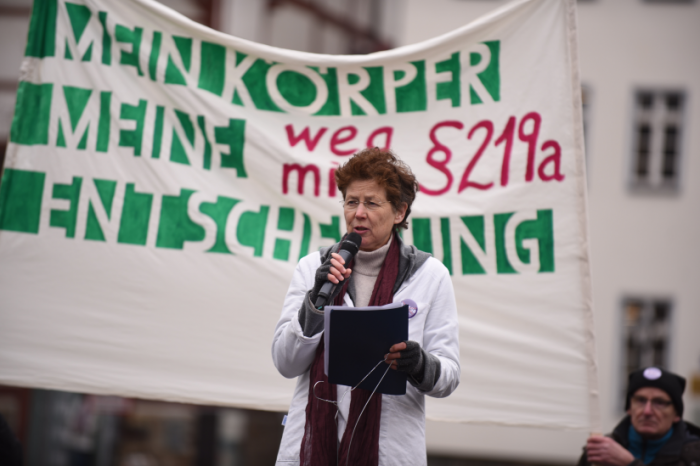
column 355, row 27
column 657, row 135
column 647, row 334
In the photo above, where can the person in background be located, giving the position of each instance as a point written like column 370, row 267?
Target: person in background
column 378, row 190
column 653, row 432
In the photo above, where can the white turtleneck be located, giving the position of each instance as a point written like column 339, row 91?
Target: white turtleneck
column 365, row 272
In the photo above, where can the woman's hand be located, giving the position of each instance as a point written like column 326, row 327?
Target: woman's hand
column 410, row 358
column 406, row 357
column 394, row 354
column 333, row 270
column 338, row 272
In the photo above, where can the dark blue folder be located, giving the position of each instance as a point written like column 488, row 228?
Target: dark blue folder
column 356, row 340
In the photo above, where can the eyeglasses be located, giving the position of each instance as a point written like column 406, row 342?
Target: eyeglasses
column 353, row 204
column 658, row 404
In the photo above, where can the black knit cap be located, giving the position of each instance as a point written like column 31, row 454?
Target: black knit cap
column 672, row 384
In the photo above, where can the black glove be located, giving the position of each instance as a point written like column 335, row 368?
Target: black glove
column 411, row 361
column 321, row 278
column 422, row 367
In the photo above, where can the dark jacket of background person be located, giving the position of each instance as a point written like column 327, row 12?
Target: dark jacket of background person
column 682, row 449
column 10, row 448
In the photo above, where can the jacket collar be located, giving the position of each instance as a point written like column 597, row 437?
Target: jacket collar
column 410, row 260
column 682, row 433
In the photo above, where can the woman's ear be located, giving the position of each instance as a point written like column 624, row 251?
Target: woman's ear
column 400, row 213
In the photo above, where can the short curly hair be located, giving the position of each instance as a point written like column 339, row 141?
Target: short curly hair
column 387, row 170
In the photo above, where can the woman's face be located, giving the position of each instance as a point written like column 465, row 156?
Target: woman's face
column 375, row 226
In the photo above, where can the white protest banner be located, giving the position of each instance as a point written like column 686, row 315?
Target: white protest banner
column 163, row 179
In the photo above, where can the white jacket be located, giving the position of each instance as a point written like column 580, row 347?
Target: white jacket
column 402, row 428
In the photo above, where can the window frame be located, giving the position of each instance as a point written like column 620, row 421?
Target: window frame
column 622, row 365
column 655, row 183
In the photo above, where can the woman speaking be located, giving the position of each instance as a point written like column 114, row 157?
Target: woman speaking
column 373, row 430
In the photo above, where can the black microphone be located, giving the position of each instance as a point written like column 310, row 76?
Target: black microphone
column 348, row 249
